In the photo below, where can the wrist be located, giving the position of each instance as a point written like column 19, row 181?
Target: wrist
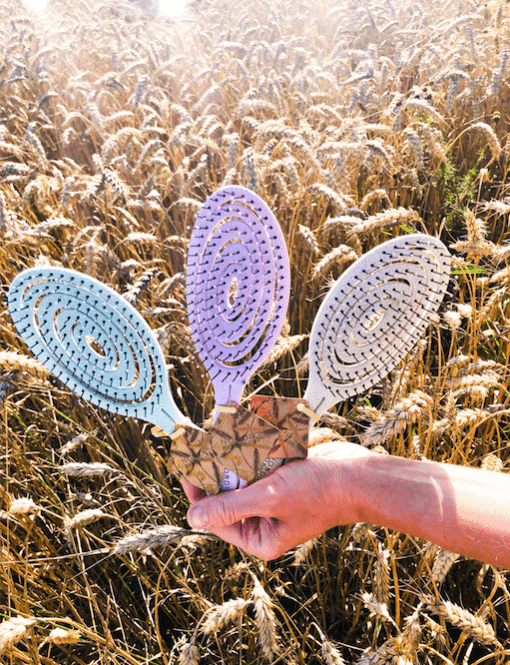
column 347, row 479
column 403, row 494
column 352, row 482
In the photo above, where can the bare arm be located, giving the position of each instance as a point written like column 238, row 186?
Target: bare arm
column 462, row 509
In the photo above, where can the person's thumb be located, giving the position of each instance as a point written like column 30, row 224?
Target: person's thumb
column 216, row 512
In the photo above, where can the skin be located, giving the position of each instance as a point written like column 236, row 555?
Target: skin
column 464, row 510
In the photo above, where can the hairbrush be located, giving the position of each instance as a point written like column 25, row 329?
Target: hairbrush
column 373, row 316
column 237, row 285
column 238, row 288
column 95, row 342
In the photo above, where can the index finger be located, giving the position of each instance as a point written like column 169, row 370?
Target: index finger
column 193, row 492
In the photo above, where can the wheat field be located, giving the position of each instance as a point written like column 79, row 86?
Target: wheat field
column 355, row 122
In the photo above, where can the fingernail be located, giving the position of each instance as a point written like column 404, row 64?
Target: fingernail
column 197, row 518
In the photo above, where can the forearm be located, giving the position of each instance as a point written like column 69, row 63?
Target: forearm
column 464, row 510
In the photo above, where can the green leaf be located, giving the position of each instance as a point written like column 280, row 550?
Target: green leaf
column 470, row 270
column 406, row 229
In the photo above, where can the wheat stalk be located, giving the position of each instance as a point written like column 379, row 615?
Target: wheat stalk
column 472, row 625
column 62, row 636
column 438, row 633
column 22, row 363
column 395, row 650
column 453, row 319
column 188, row 653
column 338, row 256
column 488, row 379
column 13, row 630
column 381, row 585
column 492, row 462
column 7, row 219
column 75, row 443
column 86, row 470
column 407, row 411
column 35, row 143
column 84, row 518
column 489, row 135
column 374, row 196
column 158, row 537
column 219, row 615
column 442, row 563
column 301, row 553
column 381, row 220
column 284, row 345
column 23, row 506
column 375, row 608
column 318, row 435
column 309, row 237
column 476, row 246
column 330, row 654
column 265, row 620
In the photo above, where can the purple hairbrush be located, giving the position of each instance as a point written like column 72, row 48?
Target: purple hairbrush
column 238, row 287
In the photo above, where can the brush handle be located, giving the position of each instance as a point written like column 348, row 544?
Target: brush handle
column 166, row 415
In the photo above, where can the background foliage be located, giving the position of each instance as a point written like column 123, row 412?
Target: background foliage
column 355, row 121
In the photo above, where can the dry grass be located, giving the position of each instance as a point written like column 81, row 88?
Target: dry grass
column 354, row 122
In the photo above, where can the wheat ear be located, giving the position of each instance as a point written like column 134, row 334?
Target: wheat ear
column 219, row 615
column 472, row 625
column 12, row 360
column 12, row 631
column 265, row 619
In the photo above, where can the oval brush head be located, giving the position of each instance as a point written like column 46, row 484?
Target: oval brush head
column 373, row 316
column 95, row 342
column 238, row 283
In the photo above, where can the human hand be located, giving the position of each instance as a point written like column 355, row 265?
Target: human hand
column 297, row 502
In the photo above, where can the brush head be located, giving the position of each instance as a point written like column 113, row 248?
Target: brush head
column 373, row 316
column 237, row 283
column 93, row 340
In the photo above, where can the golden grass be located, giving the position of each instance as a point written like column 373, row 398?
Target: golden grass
column 355, row 122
